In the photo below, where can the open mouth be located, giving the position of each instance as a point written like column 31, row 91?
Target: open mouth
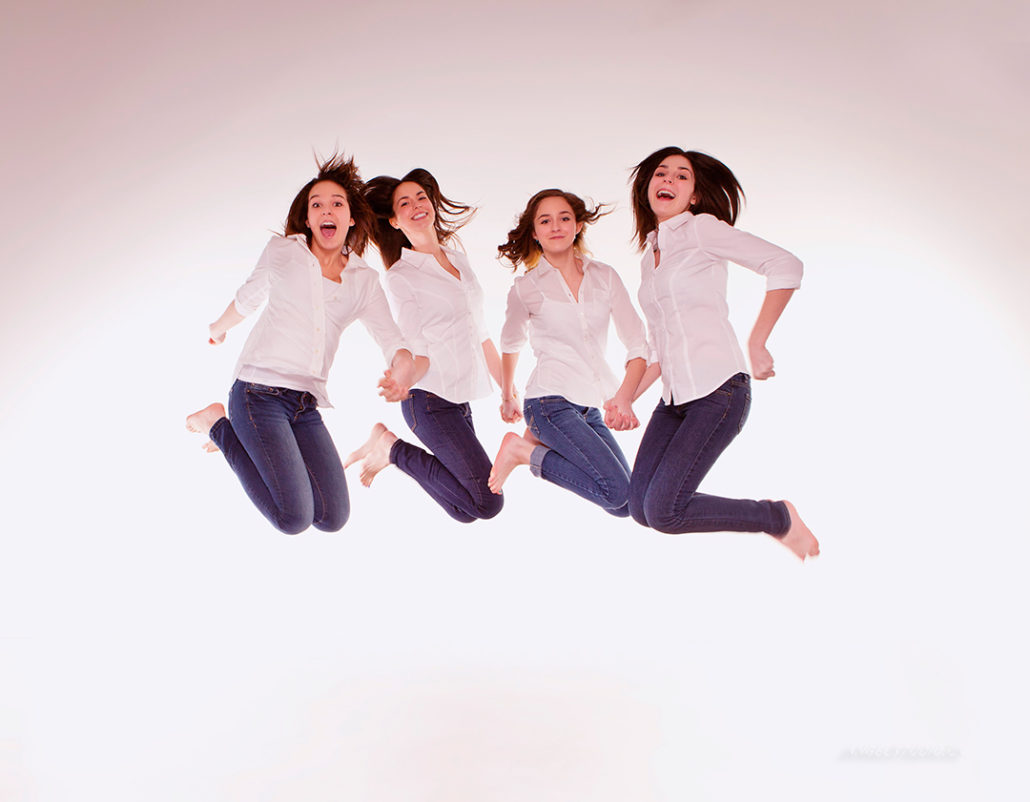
column 664, row 194
column 328, row 230
column 419, row 216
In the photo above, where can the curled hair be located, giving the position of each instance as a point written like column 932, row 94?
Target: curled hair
column 340, row 170
column 448, row 215
column 717, row 189
column 522, row 247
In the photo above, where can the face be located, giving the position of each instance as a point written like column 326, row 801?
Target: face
column 554, row 226
column 671, row 190
column 329, row 215
column 412, row 209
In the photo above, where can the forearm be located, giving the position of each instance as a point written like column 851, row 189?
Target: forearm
column 635, row 369
column 493, row 361
column 650, row 374
column 229, row 318
column 772, row 307
column 507, row 382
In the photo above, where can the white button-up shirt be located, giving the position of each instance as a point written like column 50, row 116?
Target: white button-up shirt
column 570, row 337
column 442, row 318
column 684, row 299
column 294, row 341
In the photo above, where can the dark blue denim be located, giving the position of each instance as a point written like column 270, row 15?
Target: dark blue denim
column 455, row 474
column 582, row 455
column 275, row 441
column 680, row 445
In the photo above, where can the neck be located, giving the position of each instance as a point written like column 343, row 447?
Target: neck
column 330, row 260
column 563, row 261
column 424, row 241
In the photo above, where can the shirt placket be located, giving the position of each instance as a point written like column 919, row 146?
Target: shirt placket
column 317, row 364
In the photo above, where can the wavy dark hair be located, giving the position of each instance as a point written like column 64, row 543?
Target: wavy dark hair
column 340, row 170
column 717, row 189
column 522, row 247
column 449, row 215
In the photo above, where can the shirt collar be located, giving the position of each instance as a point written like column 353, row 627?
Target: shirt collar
column 587, row 261
column 421, row 260
column 672, row 223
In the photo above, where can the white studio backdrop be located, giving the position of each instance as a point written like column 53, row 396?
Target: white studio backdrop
column 159, row 640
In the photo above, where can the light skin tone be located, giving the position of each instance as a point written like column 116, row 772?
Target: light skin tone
column 329, row 220
column 414, row 216
column 672, row 191
column 555, row 229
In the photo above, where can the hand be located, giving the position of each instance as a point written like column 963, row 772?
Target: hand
column 215, row 336
column 393, row 388
column 761, row 361
column 619, row 416
column 510, row 409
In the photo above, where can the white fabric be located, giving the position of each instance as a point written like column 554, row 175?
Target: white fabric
column 684, row 299
column 569, row 338
column 295, row 339
column 442, row 318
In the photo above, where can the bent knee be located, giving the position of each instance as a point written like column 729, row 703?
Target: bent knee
column 490, row 506
column 333, row 522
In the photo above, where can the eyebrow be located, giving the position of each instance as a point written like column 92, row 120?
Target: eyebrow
column 334, row 195
column 670, row 167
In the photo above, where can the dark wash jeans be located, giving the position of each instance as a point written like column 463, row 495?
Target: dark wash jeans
column 455, row 474
column 680, row 445
column 581, row 454
column 275, row 441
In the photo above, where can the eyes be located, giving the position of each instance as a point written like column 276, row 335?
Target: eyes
column 403, row 203
column 562, row 218
column 338, row 204
column 682, row 175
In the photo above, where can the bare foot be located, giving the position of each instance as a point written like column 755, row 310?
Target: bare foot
column 202, row 421
column 364, row 448
column 375, row 453
column 514, row 451
column 799, row 538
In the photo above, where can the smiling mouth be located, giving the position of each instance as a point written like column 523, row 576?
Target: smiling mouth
column 664, row 194
column 328, row 229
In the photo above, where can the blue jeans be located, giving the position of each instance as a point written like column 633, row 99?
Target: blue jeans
column 276, row 443
column 680, row 445
column 455, row 474
column 581, row 454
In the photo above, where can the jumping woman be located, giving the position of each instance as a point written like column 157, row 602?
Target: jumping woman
column 565, row 303
column 685, row 204
column 439, row 307
column 315, row 284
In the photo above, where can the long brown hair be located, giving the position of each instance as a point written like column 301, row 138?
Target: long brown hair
column 340, row 170
column 522, row 247
column 449, row 215
column 717, row 189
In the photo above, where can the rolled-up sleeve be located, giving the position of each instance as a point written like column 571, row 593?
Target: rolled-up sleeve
column 781, row 268
column 628, row 325
column 409, row 316
column 376, row 318
column 254, row 291
column 516, row 323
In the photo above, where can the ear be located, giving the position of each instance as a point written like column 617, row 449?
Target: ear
column 350, row 222
column 579, row 228
column 393, row 222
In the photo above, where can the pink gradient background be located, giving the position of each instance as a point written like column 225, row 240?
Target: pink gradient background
column 159, row 641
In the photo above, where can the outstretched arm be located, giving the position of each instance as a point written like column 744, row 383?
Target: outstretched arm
column 772, row 307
